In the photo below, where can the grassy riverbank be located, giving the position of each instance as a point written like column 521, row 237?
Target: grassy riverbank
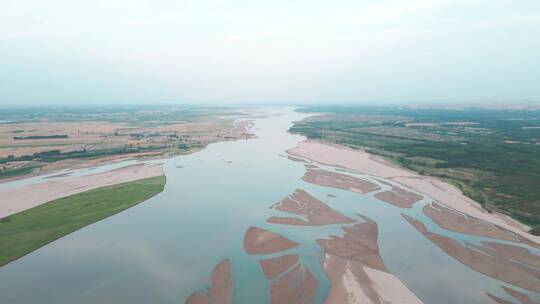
column 31, row 229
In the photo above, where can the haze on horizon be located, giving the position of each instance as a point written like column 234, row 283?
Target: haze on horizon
column 128, row 51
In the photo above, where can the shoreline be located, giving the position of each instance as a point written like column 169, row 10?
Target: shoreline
column 21, row 234
column 241, row 130
column 25, row 197
column 29, row 196
column 440, row 191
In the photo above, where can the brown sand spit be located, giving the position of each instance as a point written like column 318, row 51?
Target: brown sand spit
column 363, row 162
column 341, row 156
column 521, row 297
column 356, row 271
column 25, row 197
column 399, row 197
column 518, row 254
column 352, row 282
column 296, row 159
column 453, row 220
column 359, row 244
column 498, row 300
column 309, row 207
column 198, row 298
column 339, row 181
column 298, row 286
column 221, row 290
column 276, row 266
column 261, row 241
column 484, row 260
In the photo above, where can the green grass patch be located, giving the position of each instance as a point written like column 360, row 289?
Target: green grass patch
column 31, row 229
column 17, row 172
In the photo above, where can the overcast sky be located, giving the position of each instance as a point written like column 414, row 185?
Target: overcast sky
column 249, row 51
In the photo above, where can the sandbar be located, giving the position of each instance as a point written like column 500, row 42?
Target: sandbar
column 220, row 292
column 356, row 271
column 298, row 286
column 339, row 181
column 363, row 162
column 262, row 241
column 483, row 259
column 399, row 197
column 453, row 220
column 296, row 159
column 198, row 298
column 313, row 210
column 276, row 266
column 521, row 297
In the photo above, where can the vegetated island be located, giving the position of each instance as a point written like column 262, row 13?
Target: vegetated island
column 491, row 155
column 26, row 231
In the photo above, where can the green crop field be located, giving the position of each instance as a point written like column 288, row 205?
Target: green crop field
column 31, row 229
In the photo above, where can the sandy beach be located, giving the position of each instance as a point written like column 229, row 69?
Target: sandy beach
column 446, row 194
column 21, row 198
column 290, row 282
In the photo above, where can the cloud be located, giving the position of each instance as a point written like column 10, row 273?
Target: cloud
column 219, row 51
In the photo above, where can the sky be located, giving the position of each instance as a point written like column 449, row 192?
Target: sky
column 249, row 51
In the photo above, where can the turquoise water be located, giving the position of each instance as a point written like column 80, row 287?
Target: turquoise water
column 165, row 248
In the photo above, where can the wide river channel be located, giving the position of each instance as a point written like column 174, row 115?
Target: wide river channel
column 162, row 250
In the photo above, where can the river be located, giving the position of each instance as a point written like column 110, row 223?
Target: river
column 162, row 250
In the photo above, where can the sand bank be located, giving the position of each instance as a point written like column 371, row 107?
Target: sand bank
column 296, row 159
column 521, row 297
column 484, row 259
column 356, row 270
column 276, row 266
column 291, row 282
column 21, row 198
column 519, row 254
column 341, row 156
column 363, row 162
column 453, row 220
column 399, row 197
column 313, row 210
column 261, row 241
column 340, row 181
column 221, row 290
column 298, row 286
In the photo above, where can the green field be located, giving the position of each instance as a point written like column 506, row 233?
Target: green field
column 493, row 156
column 17, row 172
column 31, row 229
